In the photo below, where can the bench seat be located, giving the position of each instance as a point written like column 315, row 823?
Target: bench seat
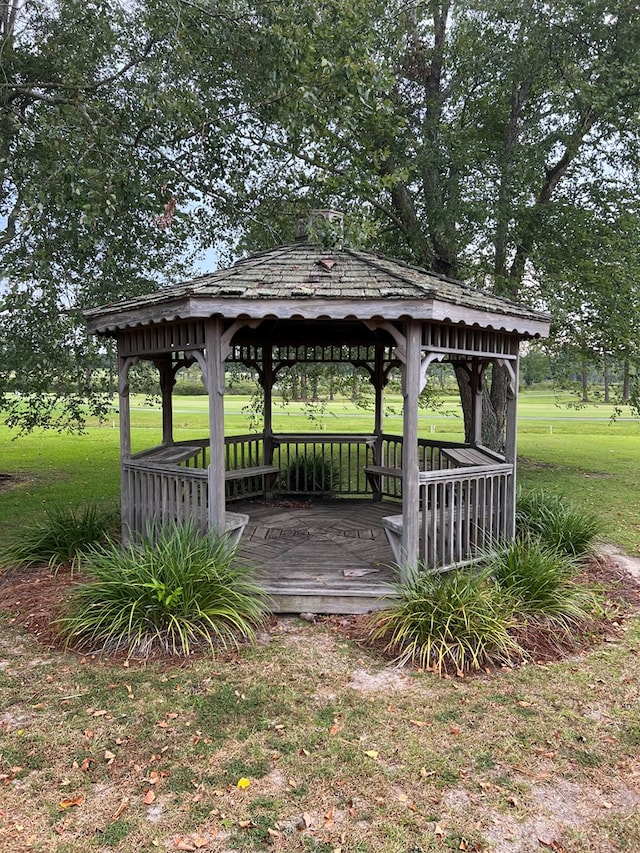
column 375, row 474
column 239, row 481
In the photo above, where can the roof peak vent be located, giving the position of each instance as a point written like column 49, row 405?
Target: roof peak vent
column 324, row 227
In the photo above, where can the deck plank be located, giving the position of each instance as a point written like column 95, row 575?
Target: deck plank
column 326, row 556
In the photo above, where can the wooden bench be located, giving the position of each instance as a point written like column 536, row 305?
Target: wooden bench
column 268, row 473
column 463, row 457
column 374, row 475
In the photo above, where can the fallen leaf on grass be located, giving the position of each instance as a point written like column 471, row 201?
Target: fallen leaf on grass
column 183, row 844
column 372, row 753
column 121, row 808
column 149, row 797
column 419, row 723
column 85, row 764
column 70, row 802
column 243, row 782
column 439, row 830
column 335, row 728
column 552, row 845
column 454, row 730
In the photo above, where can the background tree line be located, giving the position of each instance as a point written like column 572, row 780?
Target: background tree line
column 491, row 141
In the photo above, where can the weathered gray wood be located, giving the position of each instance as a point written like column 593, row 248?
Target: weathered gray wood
column 511, row 454
column 410, row 484
column 167, row 379
column 462, row 456
column 339, row 308
column 215, row 390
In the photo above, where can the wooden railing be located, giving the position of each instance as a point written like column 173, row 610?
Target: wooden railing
column 463, row 511
column 327, row 464
column 154, row 493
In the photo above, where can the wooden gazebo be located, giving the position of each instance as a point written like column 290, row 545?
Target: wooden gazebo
column 440, row 502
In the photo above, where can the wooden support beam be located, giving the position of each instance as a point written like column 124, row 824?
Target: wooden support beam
column 126, row 498
column 379, row 380
column 410, row 460
column 476, row 379
column 215, row 390
column 167, row 381
column 267, row 391
column 511, row 450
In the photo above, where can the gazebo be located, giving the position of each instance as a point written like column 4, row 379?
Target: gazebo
column 438, row 503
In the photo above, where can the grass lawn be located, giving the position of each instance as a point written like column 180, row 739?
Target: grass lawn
column 337, row 751
column 307, row 742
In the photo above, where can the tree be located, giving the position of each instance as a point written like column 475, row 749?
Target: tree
column 469, row 136
column 107, row 161
column 474, row 133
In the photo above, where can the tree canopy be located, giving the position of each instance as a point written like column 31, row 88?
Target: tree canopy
column 487, row 140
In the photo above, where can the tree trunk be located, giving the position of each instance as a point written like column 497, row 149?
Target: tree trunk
column 494, row 406
column 607, row 380
column 626, row 382
column 585, row 382
column 355, row 387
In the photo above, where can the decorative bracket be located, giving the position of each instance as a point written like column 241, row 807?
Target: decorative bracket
column 123, row 373
column 396, row 334
column 225, row 341
column 425, row 361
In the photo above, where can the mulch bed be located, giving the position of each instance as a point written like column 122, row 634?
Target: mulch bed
column 34, row 598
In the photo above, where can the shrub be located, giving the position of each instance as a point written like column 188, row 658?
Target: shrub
column 311, row 474
column 61, row 537
column 171, row 591
column 540, row 581
column 459, row 620
column 560, row 525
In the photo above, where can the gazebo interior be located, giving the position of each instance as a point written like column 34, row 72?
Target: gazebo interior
column 329, row 520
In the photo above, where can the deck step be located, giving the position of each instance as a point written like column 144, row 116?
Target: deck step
column 328, row 601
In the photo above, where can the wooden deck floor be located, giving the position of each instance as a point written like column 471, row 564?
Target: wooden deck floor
column 319, row 556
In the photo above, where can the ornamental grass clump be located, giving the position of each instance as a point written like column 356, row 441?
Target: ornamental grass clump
column 174, row 591
column 457, row 621
column 311, row 474
column 559, row 524
column 61, row 537
column 541, row 583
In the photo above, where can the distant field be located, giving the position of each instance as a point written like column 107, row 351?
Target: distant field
column 578, row 452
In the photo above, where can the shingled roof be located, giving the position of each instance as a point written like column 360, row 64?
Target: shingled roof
column 306, row 281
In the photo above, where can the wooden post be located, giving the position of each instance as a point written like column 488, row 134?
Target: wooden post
column 124, row 407
column 267, row 391
column 510, row 452
column 166, row 389
column 477, row 374
column 378, row 383
column 215, row 390
column 410, row 461
column 125, row 442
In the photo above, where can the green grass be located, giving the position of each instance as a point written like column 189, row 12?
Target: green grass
column 513, row 744
column 577, row 452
